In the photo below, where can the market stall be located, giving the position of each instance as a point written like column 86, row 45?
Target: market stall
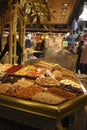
column 41, row 114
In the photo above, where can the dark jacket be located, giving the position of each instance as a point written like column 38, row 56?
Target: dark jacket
column 19, row 52
column 79, row 51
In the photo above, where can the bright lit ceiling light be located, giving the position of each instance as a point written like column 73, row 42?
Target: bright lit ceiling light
column 83, row 16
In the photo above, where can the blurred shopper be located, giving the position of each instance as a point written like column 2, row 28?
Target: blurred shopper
column 40, row 47
column 19, row 51
column 75, row 48
column 75, row 25
column 28, row 43
column 79, row 52
column 0, row 43
column 83, row 60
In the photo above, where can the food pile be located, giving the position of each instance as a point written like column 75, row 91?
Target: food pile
column 42, row 82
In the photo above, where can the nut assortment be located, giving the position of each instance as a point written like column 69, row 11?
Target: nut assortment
column 42, row 82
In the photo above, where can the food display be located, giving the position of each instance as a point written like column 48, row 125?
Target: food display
column 30, row 71
column 42, row 82
column 62, row 93
column 47, row 81
column 23, row 83
column 4, row 88
column 63, row 73
column 44, row 64
column 2, row 74
column 4, row 67
column 25, row 70
column 13, row 69
column 48, row 98
column 58, row 74
column 9, row 78
column 71, row 86
column 29, row 91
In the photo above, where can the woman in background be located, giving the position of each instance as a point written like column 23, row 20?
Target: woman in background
column 19, row 51
column 40, row 47
column 79, row 52
column 83, row 60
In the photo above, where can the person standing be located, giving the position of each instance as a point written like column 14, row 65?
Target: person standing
column 28, row 43
column 75, row 25
column 83, row 60
column 75, row 48
column 19, row 51
column 40, row 47
column 79, row 52
column 0, row 43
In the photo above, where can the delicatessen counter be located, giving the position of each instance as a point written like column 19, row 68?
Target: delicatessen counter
column 40, row 95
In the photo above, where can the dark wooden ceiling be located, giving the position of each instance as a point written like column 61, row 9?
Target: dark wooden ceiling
column 62, row 12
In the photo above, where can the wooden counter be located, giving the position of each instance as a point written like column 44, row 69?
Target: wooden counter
column 39, row 115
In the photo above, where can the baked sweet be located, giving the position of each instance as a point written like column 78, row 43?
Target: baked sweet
column 22, row 83
column 44, row 64
column 28, row 92
column 13, row 69
column 62, row 93
column 57, row 74
column 4, row 88
column 48, row 98
column 4, row 67
column 31, row 71
column 71, row 86
column 37, row 72
column 9, row 79
column 47, row 81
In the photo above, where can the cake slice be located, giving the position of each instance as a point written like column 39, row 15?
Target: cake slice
column 71, row 86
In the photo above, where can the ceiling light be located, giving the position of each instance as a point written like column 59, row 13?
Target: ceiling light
column 64, row 9
column 63, row 16
column 65, row 4
column 63, row 13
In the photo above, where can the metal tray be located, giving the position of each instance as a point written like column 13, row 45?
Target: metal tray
column 44, row 110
